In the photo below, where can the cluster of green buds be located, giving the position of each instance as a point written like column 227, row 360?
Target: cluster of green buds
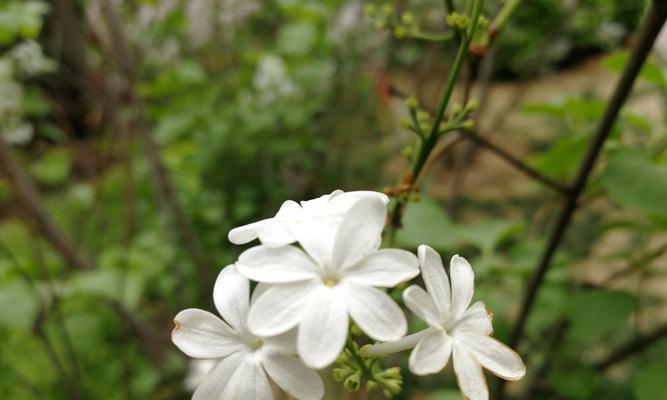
column 461, row 22
column 459, row 117
column 401, row 25
column 419, row 122
column 353, row 369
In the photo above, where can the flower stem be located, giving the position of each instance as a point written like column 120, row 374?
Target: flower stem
column 430, row 141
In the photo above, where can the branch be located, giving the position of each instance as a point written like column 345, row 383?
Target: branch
column 652, row 25
column 30, row 198
column 632, row 347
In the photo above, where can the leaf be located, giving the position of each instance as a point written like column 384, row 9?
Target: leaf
column 297, row 38
column 575, row 381
column 425, row 222
column 488, row 234
column 562, row 159
column 649, row 382
column 632, row 180
column 651, row 71
column 18, row 304
column 125, row 287
column 594, row 313
column 52, row 168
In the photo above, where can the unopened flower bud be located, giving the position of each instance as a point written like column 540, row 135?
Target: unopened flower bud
column 353, row 382
column 370, row 10
column 407, row 18
column 472, row 105
column 393, row 385
column 342, row 373
column 458, row 21
column 400, row 32
column 408, row 152
column 423, row 116
column 388, row 9
column 411, row 103
column 405, row 124
column 425, row 126
column 379, row 25
column 483, row 22
column 371, row 386
column 468, row 124
column 456, row 109
column 342, row 358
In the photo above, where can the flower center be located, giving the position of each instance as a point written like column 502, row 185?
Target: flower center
column 330, row 282
column 258, row 344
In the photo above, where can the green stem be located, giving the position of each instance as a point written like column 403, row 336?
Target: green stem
column 429, row 143
column 366, row 372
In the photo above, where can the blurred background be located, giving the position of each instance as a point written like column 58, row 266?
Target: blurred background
column 134, row 134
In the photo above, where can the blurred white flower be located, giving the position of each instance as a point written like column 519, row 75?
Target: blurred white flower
column 18, row 132
column 320, row 288
column 271, row 80
column 11, row 95
column 245, row 359
column 323, row 215
column 30, row 59
column 454, row 329
column 200, row 22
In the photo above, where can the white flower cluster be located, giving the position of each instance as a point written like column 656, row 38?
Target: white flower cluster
column 318, row 265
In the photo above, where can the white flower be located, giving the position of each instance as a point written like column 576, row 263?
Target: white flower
column 197, row 371
column 245, row 359
column 318, row 289
column 322, row 215
column 454, row 329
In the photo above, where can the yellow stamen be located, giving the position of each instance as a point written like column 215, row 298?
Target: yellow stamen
column 330, row 282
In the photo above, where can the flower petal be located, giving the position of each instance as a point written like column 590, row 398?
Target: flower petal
column 279, row 308
column 247, row 233
column 316, row 236
column 285, row 343
column 293, row 376
column 463, row 285
column 200, row 334
column 323, row 328
column 431, row 354
column 469, row 374
column 476, row 319
column 218, row 379
column 278, row 233
column 383, row 268
column 231, row 295
column 359, row 232
column 375, row 312
column 250, row 382
column 421, row 304
column 402, row 344
column 494, row 355
column 435, row 278
column 276, row 264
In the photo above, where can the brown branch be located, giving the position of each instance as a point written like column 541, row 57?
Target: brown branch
column 632, row 347
column 30, row 199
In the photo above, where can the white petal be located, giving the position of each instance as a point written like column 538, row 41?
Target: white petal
column 469, row 374
column 250, row 382
column 463, row 285
column 360, row 232
column 421, row 304
column 375, row 312
column 475, row 319
column 383, row 268
column 494, row 355
column 231, row 295
column 323, row 328
column 435, row 278
column 218, row 379
column 276, row 234
column 402, row 344
column 431, row 354
column 200, row 334
column 294, row 377
column 279, row 308
column 247, row 233
column 285, row 343
column 276, row 264
column 317, row 238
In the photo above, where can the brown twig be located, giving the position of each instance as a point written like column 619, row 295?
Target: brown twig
column 651, row 27
column 29, row 197
column 632, row 347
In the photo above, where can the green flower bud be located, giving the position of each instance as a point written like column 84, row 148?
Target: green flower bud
column 371, row 386
column 379, row 25
column 353, row 382
column 405, row 124
column 400, row 32
column 458, row 21
column 394, row 373
column 342, row 373
column 483, row 22
column 411, row 103
column 388, row 9
column 393, row 385
column 407, row 153
column 423, row 116
column 456, row 109
column 387, row 394
column 407, row 18
column 472, row 105
column 468, row 124
column 425, row 126
column 342, row 358
column 370, row 10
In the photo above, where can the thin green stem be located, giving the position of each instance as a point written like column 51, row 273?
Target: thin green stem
column 429, row 143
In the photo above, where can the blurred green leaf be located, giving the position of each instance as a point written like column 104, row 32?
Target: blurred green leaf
column 18, row 304
column 594, row 313
column 633, row 180
column 562, row 159
column 574, row 381
column 650, row 382
column 52, row 168
column 297, row 38
column 124, row 287
column 651, row 71
column 425, row 222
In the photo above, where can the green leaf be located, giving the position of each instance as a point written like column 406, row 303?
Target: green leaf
column 651, row 71
column 488, row 234
column 18, row 304
column 562, row 159
column 125, row 287
column 632, row 180
column 594, row 313
column 575, row 381
column 52, row 168
column 425, row 222
column 650, row 383
column 297, row 38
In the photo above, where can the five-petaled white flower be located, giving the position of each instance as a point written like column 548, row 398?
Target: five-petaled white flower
column 454, row 329
column 319, row 288
column 320, row 216
column 245, row 359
